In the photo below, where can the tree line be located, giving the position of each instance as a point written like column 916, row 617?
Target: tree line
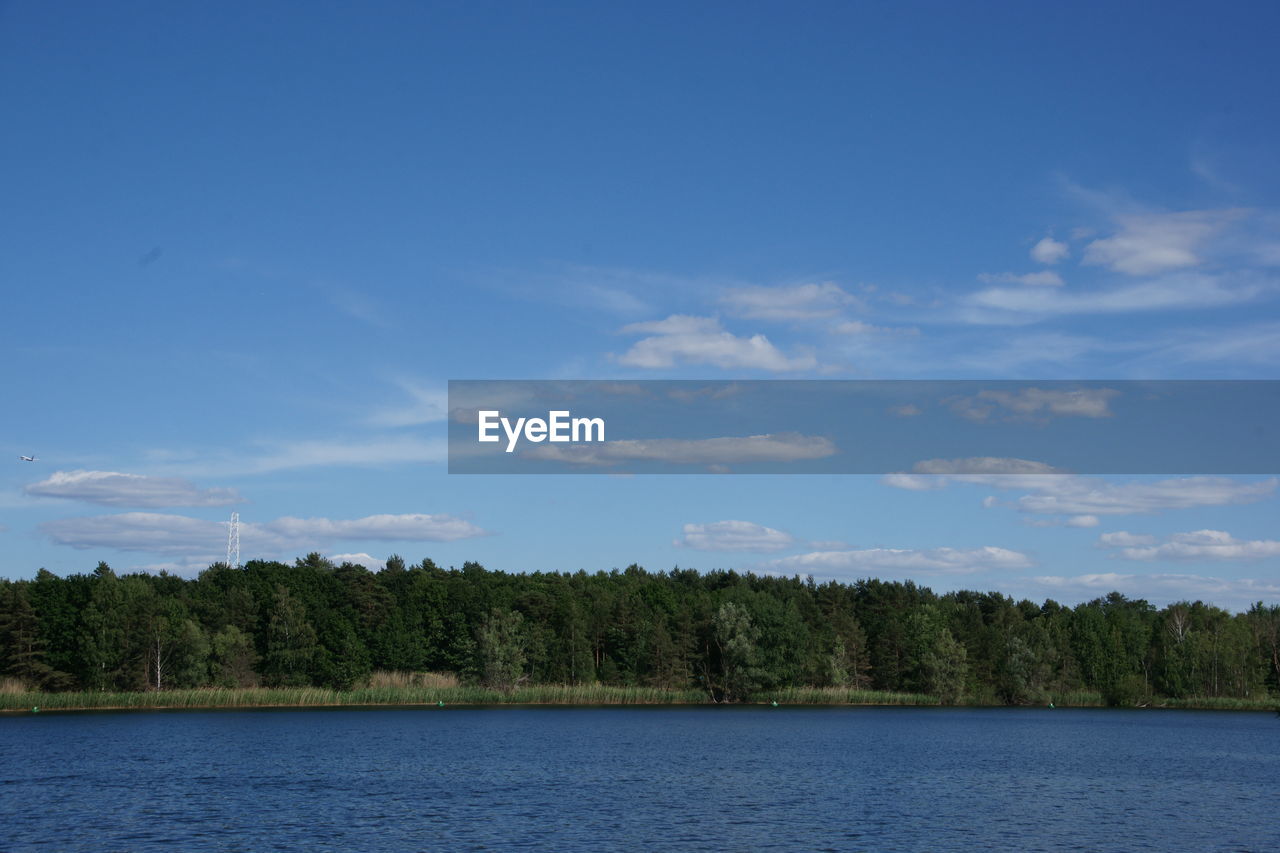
column 736, row 636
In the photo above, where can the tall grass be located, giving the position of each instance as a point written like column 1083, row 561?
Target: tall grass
column 298, row 697
column 1221, row 703
column 846, row 696
column 400, row 678
column 12, row 685
column 538, row 694
column 1079, row 699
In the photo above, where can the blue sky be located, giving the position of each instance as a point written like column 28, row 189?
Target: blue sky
column 246, row 246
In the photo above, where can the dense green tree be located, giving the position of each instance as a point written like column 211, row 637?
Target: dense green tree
column 291, row 641
column 938, row 662
column 738, row 636
column 232, row 659
column 738, row 674
column 103, row 643
column 501, row 643
column 22, row 651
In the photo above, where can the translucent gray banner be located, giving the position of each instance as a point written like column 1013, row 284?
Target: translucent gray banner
column 968, row 427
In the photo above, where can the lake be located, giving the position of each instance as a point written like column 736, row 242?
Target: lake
column 696, row 778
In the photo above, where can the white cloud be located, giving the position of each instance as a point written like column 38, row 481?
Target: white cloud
column 733, row 536
column 409, row 527
column 1049, row 251
column 993, row 465
column 676, row 324
column 683, row 339
column 148, row 532
column 188, row 566
column 373, row 564
column 1026, row 402
column 371, row 452
column 1196, row 545
column 112, row 488
column 1162, row 589
column 782, row 447
column 1079, row 497
column 1044, row 278
column 1073, row 521
column 1182, row 291
column 914, row 482
column 1158, row 242
column 793, row 302
column 857, row 327
column 996, row 471
column 1070, row 495
column 195, row 538
column 1125, row 539
column 902, row 560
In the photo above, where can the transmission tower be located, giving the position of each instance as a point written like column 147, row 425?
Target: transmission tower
column 233, row 541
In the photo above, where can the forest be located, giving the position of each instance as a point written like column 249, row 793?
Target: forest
column 732, row 636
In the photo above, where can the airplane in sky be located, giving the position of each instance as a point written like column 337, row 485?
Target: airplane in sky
column 26, row 459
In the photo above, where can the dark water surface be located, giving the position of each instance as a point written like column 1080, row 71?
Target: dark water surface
column 641, row 779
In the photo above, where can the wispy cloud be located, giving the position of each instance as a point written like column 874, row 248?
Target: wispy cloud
column 1237, row 344
column 427, row 404
column 408, row 527
column 615, row 291
column 1152, row 243
column 1003, row 467
column 930, row 561
column 1044, row 278
column 1178, row 291
column 112, row 488
column 857, row 327
column 1072, row 495
column 266, row 457
column 782, row 447
column 1125, row 539
column 996, row 471
column 733, row 536
column 358, row 305
column 177, row 535
column 1196, row 545
column 1026, row 403
column 788, row 302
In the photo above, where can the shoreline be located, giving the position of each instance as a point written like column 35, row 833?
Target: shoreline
column 543, row 696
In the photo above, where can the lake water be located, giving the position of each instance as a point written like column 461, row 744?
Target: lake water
column 648, row 779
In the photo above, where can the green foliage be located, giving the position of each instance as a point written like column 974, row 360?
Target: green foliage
column 291, row 641
column 24, row 657
column 724, row 636
column 232, row 660
column 501, row 643
column 735, row 639
column 938, row 662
